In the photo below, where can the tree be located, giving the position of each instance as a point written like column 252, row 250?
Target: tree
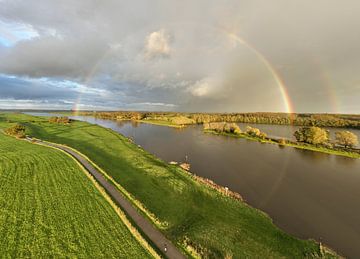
column 312, row 135
column 346, row 138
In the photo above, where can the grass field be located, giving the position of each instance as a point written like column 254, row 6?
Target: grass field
column 192, row 214
column 50, row 208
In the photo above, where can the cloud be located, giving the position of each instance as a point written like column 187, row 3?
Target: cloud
column 153, row 104
column 204, row 88
column 157, row 45
column 178, row 52
column 52, row 57
column 11, row 33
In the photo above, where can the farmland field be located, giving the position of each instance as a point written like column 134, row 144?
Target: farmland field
column 50, row 208
column 193, row 215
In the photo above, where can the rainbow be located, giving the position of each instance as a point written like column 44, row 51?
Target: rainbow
column 288, row 106
column 87, row 80
column 282, row 87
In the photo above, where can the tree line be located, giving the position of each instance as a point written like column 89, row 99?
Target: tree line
column 319, row 136
column 317, row 120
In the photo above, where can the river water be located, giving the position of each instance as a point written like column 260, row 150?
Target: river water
column 307, row 194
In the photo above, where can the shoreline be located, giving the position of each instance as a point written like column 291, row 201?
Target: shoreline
column 290, row 143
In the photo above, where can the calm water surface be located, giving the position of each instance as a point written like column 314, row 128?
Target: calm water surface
column 308, row 194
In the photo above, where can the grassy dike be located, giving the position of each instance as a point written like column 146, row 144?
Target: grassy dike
column 196, row 217
column 51, row 208
column 290, row 144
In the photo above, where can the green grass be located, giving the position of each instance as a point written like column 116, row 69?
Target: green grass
column 191, row 213
column 291, row 144
column 162, row 123
column 50, row 208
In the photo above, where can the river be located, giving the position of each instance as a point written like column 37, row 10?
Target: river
column 307, row 194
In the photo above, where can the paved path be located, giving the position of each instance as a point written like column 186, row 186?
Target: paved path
column 143, row 223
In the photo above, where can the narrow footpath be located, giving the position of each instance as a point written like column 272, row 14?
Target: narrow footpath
column 142, row 223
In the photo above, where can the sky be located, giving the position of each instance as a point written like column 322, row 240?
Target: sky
column 192, row 56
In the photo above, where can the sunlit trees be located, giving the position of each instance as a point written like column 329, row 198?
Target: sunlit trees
column 223, row 127
column 346, row 138
column 232, row 128
column 318, row 120
column 255, row 132
column 312, row 135
column 17, row 131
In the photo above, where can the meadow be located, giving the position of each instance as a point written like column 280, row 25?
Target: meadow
column 199, row 219
column 50, row 208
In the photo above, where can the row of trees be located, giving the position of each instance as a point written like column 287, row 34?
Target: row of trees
column 223, row 127
column 16, row 131
column 226, row 127
column 318, row 120
column 319, row 136
column 255, row 132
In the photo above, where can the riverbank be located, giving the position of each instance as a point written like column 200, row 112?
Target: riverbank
column 289, row 143
column 195, row 216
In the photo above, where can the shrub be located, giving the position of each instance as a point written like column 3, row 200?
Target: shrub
column 64, row 120
column 17, row 131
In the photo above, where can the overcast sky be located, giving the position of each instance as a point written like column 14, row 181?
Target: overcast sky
column 180, row 55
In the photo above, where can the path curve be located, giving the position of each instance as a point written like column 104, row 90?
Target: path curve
column 143, row 223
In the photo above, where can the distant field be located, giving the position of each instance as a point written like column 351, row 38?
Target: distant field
column 191, row 214
column 49, row 208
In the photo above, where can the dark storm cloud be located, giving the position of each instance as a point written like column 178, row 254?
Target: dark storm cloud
column 178, row 54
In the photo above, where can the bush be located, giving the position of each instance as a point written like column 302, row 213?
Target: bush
column 282, row 142
column 17, row 131
column 64, row 120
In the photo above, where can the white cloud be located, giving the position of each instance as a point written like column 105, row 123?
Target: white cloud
column 158, row 44
column 205, row 87
column 153, row 104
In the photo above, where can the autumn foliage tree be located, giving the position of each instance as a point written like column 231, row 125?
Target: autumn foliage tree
column 312, row 135
column 346, row 138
